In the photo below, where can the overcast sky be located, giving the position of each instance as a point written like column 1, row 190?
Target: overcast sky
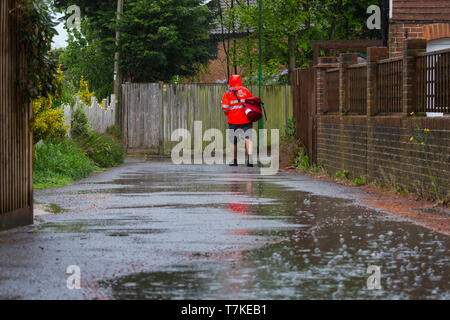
column 60, row 40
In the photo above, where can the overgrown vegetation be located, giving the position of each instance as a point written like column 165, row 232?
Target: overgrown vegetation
column 289, row 145
column 104, row 149
column 58, row 163
column 63, row 161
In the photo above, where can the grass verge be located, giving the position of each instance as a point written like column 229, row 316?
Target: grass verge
column 59, row 163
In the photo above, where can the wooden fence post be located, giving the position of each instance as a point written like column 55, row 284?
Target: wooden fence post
column 412, row 48
column 374, row 54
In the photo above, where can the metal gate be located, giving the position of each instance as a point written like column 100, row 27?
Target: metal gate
column 303, row 86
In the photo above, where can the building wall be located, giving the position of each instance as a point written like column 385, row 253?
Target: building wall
column 429, row 32
column 422, row 19
column 217, row 69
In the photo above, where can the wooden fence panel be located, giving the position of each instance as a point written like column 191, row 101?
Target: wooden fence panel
column 153, row 111
column 16, row 183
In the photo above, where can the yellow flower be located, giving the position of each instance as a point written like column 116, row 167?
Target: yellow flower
column 412, row 139
column 423, row 143
column 426, row 130
column 412, row 113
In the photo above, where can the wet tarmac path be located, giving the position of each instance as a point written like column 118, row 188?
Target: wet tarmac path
column 153, row 230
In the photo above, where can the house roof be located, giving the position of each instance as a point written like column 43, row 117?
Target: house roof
column 421, row 11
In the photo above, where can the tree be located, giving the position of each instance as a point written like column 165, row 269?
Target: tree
column 88, row 56
column 161, row 39
column 288, row 25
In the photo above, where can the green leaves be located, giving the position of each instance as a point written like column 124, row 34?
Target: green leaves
column 161, row 39
column 36, row 31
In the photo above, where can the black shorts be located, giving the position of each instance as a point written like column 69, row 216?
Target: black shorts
column 246, row 128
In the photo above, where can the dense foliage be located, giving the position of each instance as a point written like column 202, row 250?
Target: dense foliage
column 288, row 26
column 80, row 128
column 36, row 32
column 48, row 121
column 91, row 59
column 160, row 40
column 48, row 114
column 59, row 163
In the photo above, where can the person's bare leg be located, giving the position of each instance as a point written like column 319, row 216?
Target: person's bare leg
column 249, row 146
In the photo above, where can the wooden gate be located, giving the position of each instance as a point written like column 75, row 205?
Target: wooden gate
column 16, row 179
column 303, row 86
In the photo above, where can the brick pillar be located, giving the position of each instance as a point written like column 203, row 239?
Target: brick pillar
column 412, row 48
column 345, row 60
column 374, row 55
column 324, row 64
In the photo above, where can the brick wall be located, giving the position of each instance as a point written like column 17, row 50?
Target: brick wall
column 217, row 68
column 429, row 32
column 376, row 143
column 380, row 149
column 397, row 36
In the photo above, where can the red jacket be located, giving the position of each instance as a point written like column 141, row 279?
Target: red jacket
column 230, row 104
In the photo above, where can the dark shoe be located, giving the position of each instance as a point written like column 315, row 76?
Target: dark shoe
column 249, row 163
column 233, row 164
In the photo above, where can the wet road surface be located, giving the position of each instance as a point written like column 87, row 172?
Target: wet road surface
column 153, row 230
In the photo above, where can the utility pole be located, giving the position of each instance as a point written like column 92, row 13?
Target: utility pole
column 117, row 74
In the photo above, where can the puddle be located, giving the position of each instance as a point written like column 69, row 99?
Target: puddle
column 325, row 257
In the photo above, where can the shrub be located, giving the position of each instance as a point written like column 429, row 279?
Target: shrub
column 302, row 160
column 84, row 93
column 114, row 131
column 104, row 149
column 58, row 163
column 66, row 91
column 48, row 121
column 80, row 128
column 289, row 146
column 289, row 129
